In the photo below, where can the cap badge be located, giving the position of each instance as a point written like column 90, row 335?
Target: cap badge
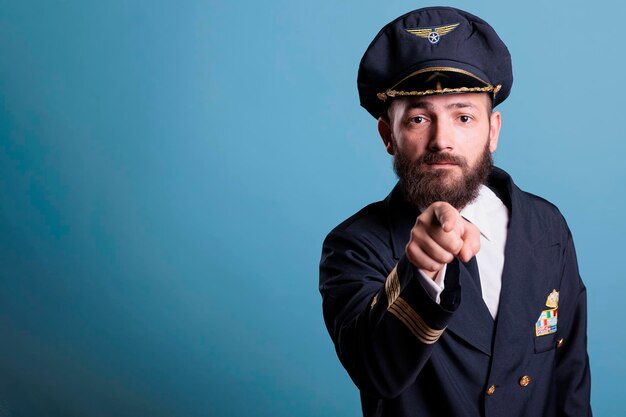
column 433, row 34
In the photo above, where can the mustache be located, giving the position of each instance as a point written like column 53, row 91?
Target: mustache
column 438, row 157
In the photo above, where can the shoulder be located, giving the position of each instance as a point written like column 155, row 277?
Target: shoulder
column 539, row 216
column 541, row 207
column 373, row 215
column 368, row 226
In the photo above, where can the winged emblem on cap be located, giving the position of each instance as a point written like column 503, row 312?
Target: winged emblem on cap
column 433, row 34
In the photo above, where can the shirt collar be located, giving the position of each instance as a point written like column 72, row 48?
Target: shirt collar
column 479, row 211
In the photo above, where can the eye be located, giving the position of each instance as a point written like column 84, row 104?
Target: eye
column 417, row 119
column 465, row 118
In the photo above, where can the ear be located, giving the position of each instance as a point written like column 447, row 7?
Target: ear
column 494, row 130
column 384, row 130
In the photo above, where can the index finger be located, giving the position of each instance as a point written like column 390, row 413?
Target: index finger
column 471, row 241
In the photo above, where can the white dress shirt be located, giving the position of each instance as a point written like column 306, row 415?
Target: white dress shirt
column 491, row 217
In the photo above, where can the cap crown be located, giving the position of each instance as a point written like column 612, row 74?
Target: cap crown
column 463, row 47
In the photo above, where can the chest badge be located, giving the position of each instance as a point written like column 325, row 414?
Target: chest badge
column 547, row 321
column 553, row 299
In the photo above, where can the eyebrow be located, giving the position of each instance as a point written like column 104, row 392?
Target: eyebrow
column 461, row 105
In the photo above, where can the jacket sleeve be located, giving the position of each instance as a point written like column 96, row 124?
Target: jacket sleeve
column 383, row 323
column 572, row 362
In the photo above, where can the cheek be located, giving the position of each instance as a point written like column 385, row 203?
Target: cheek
column 411, row 150
column 411, row 145
column 476, row 152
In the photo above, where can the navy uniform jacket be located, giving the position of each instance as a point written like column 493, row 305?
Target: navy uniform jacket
column 410, row 356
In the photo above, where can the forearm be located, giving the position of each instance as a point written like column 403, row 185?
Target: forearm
column 384, row 324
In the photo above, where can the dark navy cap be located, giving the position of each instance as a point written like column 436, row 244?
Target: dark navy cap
column 435, row 50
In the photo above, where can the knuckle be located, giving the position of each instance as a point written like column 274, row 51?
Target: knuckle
column 420, row 222
column 433, row 267
column 458, row 246
column 448, row 257
column 412, row 252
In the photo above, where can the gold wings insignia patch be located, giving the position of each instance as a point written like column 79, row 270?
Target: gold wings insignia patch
column 433, row 34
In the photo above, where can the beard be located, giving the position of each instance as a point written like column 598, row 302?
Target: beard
column 423, row 187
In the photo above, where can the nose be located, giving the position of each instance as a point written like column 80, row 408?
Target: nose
column 442, row 135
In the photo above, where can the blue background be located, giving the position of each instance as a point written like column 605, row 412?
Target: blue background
column 168, row 171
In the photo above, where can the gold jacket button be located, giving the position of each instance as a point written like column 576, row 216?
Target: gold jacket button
column 491, row 390
column 524, row 381
column 559, row 343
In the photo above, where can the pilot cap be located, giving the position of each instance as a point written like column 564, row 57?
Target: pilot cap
column 434, row 50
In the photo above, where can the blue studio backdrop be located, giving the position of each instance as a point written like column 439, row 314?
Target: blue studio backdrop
column 168, row 171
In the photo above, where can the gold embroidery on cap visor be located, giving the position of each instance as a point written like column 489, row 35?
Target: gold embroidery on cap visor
column 488, row 88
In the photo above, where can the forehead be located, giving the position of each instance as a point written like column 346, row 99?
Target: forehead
column 477, row 101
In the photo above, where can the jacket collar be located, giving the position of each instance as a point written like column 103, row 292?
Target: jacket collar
column 401, row 218
column 402, row 214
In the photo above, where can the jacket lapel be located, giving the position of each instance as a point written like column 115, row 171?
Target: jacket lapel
column 523, row 295
column 472, row 321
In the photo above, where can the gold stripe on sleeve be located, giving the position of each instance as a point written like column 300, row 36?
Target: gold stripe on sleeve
column 392, row 286
column 374, row 302
column 405, row 313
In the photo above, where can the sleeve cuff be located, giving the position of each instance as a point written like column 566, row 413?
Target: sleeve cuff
column 433, row 287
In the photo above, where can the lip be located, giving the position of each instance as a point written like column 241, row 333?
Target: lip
column 442, row 164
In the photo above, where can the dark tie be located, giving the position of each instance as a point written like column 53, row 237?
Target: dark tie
column 472, row 268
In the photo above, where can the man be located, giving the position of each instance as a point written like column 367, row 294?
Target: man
column 459, row 294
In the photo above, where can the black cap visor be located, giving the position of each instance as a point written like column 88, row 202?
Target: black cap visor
column 440, row 78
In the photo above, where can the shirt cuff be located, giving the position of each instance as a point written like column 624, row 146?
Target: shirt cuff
column 433, row 287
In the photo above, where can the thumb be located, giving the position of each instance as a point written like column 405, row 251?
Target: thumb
column 447, row 216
